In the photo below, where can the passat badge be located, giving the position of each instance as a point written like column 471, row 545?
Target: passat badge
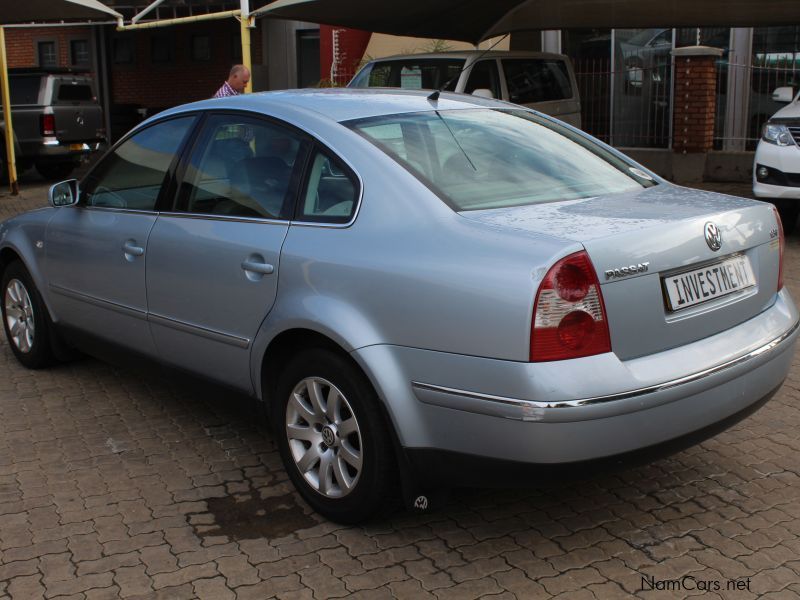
column 713, row 236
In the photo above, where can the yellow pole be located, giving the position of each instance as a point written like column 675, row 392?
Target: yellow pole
column 246, row 60
column 11, row 161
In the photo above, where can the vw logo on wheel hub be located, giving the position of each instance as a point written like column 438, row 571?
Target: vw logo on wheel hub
column 713, row 236
column 328, row 436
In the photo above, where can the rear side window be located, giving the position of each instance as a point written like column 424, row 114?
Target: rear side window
column 131, row 176
column 411, row 74
column 331, row 191
column 537, row 80
column 74, row 92
column 25, row 90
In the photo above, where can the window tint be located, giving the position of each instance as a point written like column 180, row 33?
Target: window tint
column 484, row 75
column 242, row 167
column 331, row 194
column 24, row 90
column 132, row 175
column 411, row 74
column 68, row 92
column 536, row 80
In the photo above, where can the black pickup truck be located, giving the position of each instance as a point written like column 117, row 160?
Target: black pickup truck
column 57, row 122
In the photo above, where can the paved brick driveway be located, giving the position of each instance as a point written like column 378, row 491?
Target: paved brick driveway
column 117, row 483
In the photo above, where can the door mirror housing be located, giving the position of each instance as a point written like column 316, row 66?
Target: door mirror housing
column 64, row 193
column 783, row 94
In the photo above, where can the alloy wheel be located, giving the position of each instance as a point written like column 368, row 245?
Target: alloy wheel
column 19, row 315
column 324, row 437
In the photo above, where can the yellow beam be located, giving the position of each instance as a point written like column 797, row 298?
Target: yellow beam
column 11, row 161
column 180, row 20
column 246, row 58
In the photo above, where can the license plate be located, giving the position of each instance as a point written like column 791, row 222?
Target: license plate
column 706, row 283
column 76, row 147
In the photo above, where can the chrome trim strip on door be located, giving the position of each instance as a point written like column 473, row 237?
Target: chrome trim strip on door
column 120, row 308
column 217, row 336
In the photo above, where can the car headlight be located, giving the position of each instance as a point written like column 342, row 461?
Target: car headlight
column 777, row 134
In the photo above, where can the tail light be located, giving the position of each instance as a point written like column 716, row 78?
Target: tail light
column 48, row 124
column 782, row 242
column 569, row 317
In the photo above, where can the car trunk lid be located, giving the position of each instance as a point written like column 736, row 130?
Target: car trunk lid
column 643, row 243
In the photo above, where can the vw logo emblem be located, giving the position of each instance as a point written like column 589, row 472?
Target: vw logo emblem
column 713, row 236
column 328, row 436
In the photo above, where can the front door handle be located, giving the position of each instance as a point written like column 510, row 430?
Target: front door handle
column 132, row 250
column 254, row 266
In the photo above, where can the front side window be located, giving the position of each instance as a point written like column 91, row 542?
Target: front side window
column 331, row 192
column 537, row 80
column 132, row 175
column 485, row 158
column 242, row 167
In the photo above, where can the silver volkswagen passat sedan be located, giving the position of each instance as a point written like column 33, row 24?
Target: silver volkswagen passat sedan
column 425, row 291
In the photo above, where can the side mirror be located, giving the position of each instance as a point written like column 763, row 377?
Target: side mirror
column 483, row 93
column 64, row 193
column 783, row 94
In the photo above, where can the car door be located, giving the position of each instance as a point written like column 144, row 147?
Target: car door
column 213, row 262
column 96, row 251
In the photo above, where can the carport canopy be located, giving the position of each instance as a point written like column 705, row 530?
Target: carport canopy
column 36, row 11
column 476, row 20
column 48, row 11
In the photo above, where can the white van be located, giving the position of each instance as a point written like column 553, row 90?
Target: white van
column 539, row 80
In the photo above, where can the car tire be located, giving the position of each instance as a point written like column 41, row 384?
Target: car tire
column 332, row 436
column 55, row 171
column 24, row 312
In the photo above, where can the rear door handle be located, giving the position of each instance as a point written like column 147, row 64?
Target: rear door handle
column 131, row 249
column 258, row 267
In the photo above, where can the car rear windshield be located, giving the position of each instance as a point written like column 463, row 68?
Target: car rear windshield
column 485, row 158
column 75, row 92
column 412, row 74
column 24, row 89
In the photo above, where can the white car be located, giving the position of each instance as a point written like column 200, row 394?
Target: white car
column 776, row 170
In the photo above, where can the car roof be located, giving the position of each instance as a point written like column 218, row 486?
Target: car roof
column 463, row 54
column 343, row 104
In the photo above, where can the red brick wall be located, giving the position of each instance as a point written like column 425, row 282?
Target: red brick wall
column 161, row 85
column 144, row 83
column 695, row 103
column 22, row 49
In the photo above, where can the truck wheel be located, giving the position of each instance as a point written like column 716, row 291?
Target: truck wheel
column 55, row 171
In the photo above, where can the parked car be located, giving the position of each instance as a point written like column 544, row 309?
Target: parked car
column 424, row 291
column 539, row 80
column 776, row 167
column 57, row 122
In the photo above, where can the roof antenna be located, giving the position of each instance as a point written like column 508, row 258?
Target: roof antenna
column 434, row 96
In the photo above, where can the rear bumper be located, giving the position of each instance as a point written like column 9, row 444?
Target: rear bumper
column 585, row 409
column 436, row 468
